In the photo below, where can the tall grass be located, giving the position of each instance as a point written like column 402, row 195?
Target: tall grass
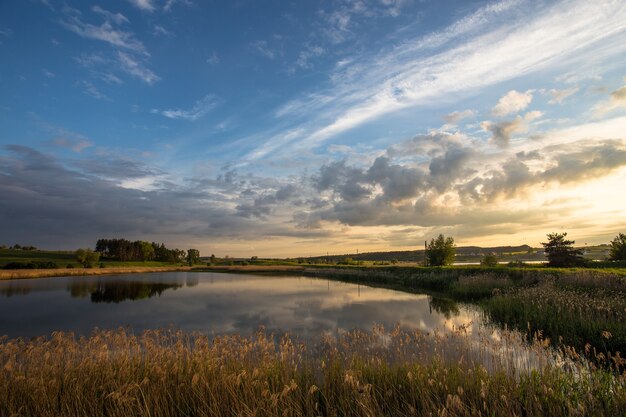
column 593, row 321
column 377, row 373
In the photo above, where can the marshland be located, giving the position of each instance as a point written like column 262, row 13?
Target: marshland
column 326, row 340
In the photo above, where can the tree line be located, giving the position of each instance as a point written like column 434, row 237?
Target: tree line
column 559, row 251
column 138, row 251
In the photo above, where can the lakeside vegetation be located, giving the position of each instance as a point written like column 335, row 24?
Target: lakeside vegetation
column 573, row 320
column 391, row 373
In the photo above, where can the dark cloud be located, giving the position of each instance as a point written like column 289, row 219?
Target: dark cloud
column 51, row 204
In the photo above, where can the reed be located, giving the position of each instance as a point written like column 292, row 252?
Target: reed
column 376, row 373
column 590, row 318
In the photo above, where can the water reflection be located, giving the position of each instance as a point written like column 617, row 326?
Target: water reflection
column 116, row 291
column 449, row 308
column 217, row 303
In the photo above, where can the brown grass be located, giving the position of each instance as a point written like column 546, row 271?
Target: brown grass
column 67, row 272
column 254, row 268
column 377, row 373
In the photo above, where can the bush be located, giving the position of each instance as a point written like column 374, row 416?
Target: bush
column 489, row 260
column 440, row 251
column 87, row 257
column 561, row 253
column 618, row 248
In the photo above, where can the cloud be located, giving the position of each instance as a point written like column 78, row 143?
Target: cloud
column 134, row 67
column 144, row 5
column 512, row 102
column 5, row 33
column 263, row 48
column 118, row 18
column 486, row 51
column 616, row 100
column 91, row 90
column 559, row 96
column 48, row 74
column 457, row 116
column 213, row 59
column 161, row 31
column 94, row 194
column 200, row 108
column 170, row 3
column 106, row 32
column 501, row 132
column 130, row 52
column 76, row 145
column 304, row 56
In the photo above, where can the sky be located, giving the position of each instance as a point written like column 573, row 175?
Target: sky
column 281, row 129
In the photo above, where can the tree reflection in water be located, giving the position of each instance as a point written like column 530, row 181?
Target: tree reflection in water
column 445, row 306
column 118, row 291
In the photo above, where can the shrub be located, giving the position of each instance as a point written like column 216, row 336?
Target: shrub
column 489, row 260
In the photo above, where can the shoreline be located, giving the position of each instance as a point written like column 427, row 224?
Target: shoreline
column 11, row 274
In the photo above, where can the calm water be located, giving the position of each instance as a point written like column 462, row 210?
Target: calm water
column 215, row 303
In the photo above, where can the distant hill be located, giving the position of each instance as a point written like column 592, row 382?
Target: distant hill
column 470, row 252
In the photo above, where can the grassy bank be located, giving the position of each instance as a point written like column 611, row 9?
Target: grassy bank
column 72, row 272
column 40, row 259
column 166, row 373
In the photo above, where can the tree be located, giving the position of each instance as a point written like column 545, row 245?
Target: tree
column 440, row 251
column 489, row 260
column 87, row 257
column 561, row 252
column 618, row 248
column 193, row 256
column 147, row 251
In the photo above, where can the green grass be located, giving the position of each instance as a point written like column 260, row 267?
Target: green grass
column 64, row 258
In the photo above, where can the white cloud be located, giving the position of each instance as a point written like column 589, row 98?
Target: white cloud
column 91, row 90
column 134, row 67
column 161, row 31
column 106, row 32
column 213, row 59
column 4, row 34
column 559, row 96
column 200, row 109
column 503, row 131
column 170, row 3
column 304, row 56
column 145, row 5
column 263, row 48
column 457, row 116
column 48, row 74
column 118, row 18
column 616, row 100
column 77, row 145
column 516, row 46
column 512, row 102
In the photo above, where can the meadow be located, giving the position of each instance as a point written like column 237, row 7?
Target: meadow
column 41, row 264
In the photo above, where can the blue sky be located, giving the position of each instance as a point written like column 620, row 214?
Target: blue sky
column 296, row 128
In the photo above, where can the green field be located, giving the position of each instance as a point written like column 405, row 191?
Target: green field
column 63, row 258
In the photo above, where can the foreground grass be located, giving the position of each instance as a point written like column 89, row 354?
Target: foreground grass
column 377, row 373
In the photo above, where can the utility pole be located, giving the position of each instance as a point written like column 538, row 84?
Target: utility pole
column 425, row 257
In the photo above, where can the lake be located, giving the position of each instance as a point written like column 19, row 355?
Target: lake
column 216, row 303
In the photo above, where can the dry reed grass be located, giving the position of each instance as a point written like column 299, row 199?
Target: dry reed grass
column 73, row 272
column 377, row 373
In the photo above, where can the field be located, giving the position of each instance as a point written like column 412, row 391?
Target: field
column 39, row 264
